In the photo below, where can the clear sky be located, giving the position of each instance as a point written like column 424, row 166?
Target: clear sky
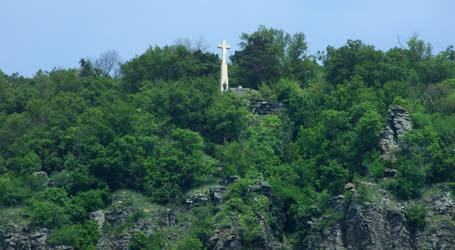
column 42, row 34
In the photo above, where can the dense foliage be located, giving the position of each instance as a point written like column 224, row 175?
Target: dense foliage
column 162, row 128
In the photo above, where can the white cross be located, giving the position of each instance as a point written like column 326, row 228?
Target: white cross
column 224, row 46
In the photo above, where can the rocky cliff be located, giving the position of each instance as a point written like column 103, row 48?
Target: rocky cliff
column 374, row 221
column 382, row 223
column 398, row 123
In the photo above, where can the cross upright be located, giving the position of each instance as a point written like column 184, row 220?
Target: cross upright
column 224, row 81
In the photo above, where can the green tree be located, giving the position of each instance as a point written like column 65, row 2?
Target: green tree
column 47, row 214
column 226, row 118
column 268, row 54
column 333, row 177
column 167, row 63
column 177, row 166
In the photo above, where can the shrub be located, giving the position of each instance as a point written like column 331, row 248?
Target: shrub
column 56, row 195
column 202, row 223
column 47, row 214
column 409, row 181
column 12, row 191
column 415, row 216
column 93, row 199
column 139, row 241
column 451, row 186
column 333, row 177
column 189, row 243
column 78, row 236
column 28, row 163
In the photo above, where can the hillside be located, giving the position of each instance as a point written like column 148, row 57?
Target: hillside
column 353, row 148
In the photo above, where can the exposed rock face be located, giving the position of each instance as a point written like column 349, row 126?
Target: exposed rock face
column 99, row 218
column 370, row 227
column 349, row 187
column 377, row 224
column 216, row 193
column 197, row 199
column 390, row 172
column 212, row 195
column 240, row 91
column 231, row 236
column 262, row 187
column 261, row 107
column 17, row 238
column 329, row 238
column 226, row 238
column 120, row 215
column 383, row 225
column 440, row 230
column 398, row 124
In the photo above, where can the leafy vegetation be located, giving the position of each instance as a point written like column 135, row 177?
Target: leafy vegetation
column 162, row 128
column 415, row 216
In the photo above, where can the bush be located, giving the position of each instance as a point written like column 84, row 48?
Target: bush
column 93, row 199
column 47, row 214
column 451, row 186
column 56, row 195
column 202, row 223
column 409, row 181
column 76, row 181
column 189, row 243
column 28, row 163
column 333, row 177
column 375, row 166
column 138, row 242
column 78, row 236
column 12, row 191
column 415, row 217
column 156, row 241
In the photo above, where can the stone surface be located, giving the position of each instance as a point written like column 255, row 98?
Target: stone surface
column 262, row 107
column 213, row 195
column 383, row 225
column 350, row 187
column 357, row 224
column 216, row 193
column 390, row 172
column 398, row 123
column 15, row 237
column 231, row 179
column 197, row 199
column 262, row 187
column 225, row 238
column 240, row 91
column 99, row 217
column 43, row 176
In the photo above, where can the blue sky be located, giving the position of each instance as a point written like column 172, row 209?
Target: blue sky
column 57, row 33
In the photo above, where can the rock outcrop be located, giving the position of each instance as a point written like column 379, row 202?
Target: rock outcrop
column 231, row 237
column 15, row 237
column 398, row 123
column 99, row 217
column 262, row 107
column 383, row 225
column 261, row 187
column 212, row 195
column 353, row 222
